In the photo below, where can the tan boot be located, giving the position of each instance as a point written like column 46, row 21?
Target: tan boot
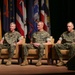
column 39, row 63
column 61, row 63
column 24, row 63
column 8, row 62
column 0, row 62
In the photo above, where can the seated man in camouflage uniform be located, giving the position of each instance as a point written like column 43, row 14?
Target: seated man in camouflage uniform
column 66, row 41
column 39, row 39
column 9, row 41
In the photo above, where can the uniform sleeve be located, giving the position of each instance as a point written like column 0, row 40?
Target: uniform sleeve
column 61, row 37
column 32, row 37
column 2, row 38
column 48, row 37
column 19, row 36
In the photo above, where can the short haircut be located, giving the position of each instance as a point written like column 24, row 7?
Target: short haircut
column 71, row 23
column 41, row 22
column 12, row 23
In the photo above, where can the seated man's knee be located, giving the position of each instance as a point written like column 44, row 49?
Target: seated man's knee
column 56, row 45
column 42, row 46
column 1, row 46
column 72, row 45
column 24, row 46
column 12, row 45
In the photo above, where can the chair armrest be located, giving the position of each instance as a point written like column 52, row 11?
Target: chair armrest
column 47, row 50
column 52, row 40
column 17, row 48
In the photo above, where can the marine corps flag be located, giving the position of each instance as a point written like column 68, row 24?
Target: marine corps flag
column 5, row 16
column 8, row 14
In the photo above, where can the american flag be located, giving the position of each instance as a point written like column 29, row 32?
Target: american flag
column 21, row 17
column 45, row 15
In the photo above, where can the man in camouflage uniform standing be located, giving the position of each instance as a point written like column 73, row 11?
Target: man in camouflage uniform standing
column 9, row 41
column 66, row 41
column 38, row 40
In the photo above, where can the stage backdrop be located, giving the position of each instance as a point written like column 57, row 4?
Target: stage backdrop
column 26, row 14
column 0, row 26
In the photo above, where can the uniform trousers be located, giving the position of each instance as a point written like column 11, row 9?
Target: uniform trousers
column 10, row 48
column 31, row 46
column 68, row 46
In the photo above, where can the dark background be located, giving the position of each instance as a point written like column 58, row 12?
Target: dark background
column 61, row 12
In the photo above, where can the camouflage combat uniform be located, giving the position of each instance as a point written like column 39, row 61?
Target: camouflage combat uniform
column 37, row 37
column 68, row 42
column 9, row 39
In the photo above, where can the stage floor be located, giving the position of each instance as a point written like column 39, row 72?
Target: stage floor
column 31, row 69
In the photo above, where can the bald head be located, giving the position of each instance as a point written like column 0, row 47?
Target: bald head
column 70, row 26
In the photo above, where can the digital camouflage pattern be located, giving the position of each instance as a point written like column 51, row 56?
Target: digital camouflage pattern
column 9, row 39
column 68, row 42
column 37, row 37
column 40, row 37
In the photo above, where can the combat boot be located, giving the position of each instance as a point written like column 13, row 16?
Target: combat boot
column 0, row 60
column 61, row 63
column 39, row 63
column 25, row 62
column 8, row 62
